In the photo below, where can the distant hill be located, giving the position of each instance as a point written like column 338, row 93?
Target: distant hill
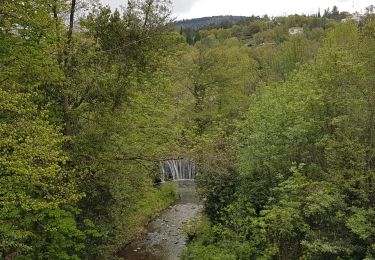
column 214, row 21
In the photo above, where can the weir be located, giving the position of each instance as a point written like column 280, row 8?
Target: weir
column 177, row 169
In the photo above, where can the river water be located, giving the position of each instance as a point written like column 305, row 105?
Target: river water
column 165, row 238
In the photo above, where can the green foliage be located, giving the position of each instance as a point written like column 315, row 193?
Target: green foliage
column 203, row 246
column 37, row 215
column 138, row 213
column 306, row 162
column 76, row 110
column 282, row 128
column 217, row 77
column 38, row 208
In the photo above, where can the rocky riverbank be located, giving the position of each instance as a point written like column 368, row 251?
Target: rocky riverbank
column 165, row 238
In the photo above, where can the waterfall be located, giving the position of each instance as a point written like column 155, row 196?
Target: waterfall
column 180, row 169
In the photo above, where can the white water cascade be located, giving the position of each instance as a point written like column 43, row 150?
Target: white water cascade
column 180, row 169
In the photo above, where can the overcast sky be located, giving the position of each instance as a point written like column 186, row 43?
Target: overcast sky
column 183, row 9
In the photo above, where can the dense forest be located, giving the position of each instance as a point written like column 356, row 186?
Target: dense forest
column 198, row 23
column 281, row 126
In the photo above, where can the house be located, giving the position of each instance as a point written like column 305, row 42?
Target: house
column 356, row 17
column 295, row 30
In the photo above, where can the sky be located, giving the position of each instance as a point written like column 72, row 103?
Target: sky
column 186, row 9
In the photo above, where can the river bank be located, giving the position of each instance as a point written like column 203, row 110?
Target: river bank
column 165, row 238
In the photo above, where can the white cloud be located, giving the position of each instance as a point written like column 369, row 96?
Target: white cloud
column 183, row 6
column 114, row 3
column 179, row 6
column 199, row 8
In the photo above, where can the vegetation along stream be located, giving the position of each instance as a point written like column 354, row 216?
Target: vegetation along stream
column 270, row 119
column 165, row 237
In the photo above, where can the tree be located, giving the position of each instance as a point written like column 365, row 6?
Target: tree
column 217, row 76
column 71, row 158
column 306, row 164
column 38, row 193
column 38, row 196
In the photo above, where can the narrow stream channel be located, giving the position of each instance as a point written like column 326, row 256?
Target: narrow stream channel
column 165, row 238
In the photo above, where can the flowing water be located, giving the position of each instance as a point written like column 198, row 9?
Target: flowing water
column 180, row 169
column 165, row 238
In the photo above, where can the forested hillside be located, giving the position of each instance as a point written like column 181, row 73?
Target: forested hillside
column 197, row 23
column 280, row 125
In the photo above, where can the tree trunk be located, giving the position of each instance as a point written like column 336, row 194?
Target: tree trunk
column 68, row 69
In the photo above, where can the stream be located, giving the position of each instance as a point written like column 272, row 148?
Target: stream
column 164, row 238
